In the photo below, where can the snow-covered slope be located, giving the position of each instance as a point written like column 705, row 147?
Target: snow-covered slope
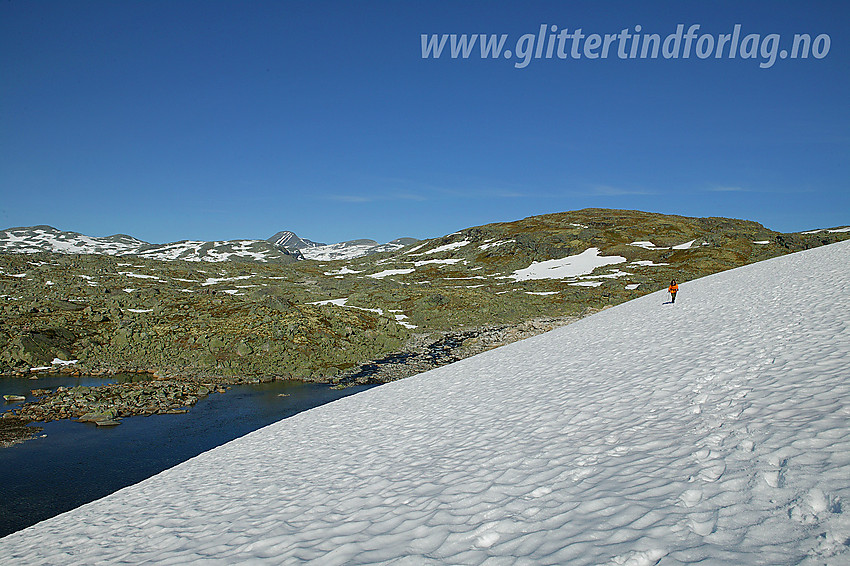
column 712, row 431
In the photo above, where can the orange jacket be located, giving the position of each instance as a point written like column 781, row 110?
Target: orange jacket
column 673, row 289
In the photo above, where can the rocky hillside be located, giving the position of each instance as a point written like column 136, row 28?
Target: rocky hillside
column 320, row 319
column 555, row 264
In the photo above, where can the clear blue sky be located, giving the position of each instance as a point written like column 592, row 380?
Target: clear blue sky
column 221, row 120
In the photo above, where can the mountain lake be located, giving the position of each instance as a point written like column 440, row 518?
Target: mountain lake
column 69, row 464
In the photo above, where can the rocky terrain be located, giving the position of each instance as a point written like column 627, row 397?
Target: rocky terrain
column 196, row 327
column 424, row 352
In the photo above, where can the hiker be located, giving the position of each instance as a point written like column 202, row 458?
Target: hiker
column 673, row 289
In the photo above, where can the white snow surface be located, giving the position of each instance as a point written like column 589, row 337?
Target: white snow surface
column 487, row 245
column 685, row 246
column 647, row 245
column 344, row 270
column 386, row 272
column 400, row 318
column 644, row 244
column 845, row 229
column 447, row 247
column 571, row 266
column 713, row 431
column 134, row 275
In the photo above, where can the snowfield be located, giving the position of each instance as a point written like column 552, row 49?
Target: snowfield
column 347, row 250
column 713, row 431
column 571, row 266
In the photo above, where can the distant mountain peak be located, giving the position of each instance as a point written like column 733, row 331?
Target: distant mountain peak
column 290, row 241
column 308, row 249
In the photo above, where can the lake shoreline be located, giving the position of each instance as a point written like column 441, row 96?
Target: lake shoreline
column 107, row 404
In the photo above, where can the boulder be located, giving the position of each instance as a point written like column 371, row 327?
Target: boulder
column 121, row 338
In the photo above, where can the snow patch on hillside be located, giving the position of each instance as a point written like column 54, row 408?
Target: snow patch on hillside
column 348, row 250
column 386, row 272
column 447, row 247
column 647, row 245
column 490, row 244
column 647, row 263
column 344, row 270
column 831, row 231
column 399, row 318
column 685, row 246
column 571, row 266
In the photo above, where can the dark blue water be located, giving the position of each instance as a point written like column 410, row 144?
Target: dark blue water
column 76, row 463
